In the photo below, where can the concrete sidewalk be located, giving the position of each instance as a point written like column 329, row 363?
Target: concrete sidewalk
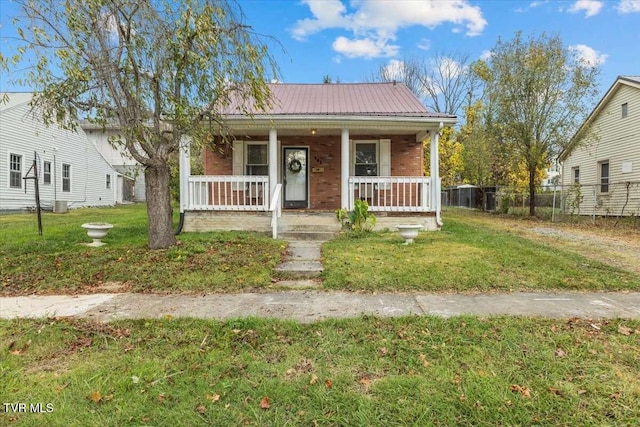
column 309, row 306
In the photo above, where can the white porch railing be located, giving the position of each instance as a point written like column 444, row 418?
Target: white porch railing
column 391, row 193
column 276, row 210
column 228, row 193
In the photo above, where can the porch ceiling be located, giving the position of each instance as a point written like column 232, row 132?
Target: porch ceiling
column 373, row 126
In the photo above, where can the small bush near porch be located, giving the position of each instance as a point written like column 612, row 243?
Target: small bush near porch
column 467, row 255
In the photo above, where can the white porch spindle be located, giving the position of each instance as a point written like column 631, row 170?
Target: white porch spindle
column 344, row 169
column 273, row 160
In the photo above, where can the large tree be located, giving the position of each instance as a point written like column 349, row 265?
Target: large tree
column 537, row 92
column 157, row 68
column 444, row 82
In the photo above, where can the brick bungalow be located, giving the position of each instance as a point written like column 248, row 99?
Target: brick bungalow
column 320, row 148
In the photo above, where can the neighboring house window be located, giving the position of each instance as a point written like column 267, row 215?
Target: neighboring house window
column 366, row 159
column 66, row 177
column 15, row 171
column 575, row 174
column 625, row 110
column 257, row 159
column 603, row 169
column 108, row 181
column 46, row 173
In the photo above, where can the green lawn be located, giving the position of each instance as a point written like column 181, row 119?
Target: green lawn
column 57, row 261
column 464, row 256
column 357, row 372
column 467, row 255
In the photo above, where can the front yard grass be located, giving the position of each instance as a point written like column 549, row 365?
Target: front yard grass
column 464, row 256
column 361, row 372
column 57, row 262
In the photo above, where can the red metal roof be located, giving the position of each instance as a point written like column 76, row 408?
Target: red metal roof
column 356, row 99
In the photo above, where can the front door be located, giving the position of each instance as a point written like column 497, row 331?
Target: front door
column 295, row 167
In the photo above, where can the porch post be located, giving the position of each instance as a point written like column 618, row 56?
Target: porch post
column 273, row 161
column 344, row 169
column 185, row 171
column 434, row 171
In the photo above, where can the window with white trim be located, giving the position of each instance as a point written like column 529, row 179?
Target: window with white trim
column 257, row 159
column 366, row 158
column 15, row 171
column 603, row 172
column 66, row 177
column 108, row 183
column 46, row 173
column 575, row 174
column 625, row 110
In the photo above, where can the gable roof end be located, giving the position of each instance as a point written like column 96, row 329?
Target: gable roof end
column 633, row 81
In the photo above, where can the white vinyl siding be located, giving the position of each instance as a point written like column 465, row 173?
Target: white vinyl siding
column 22, row 134
column 616, row 144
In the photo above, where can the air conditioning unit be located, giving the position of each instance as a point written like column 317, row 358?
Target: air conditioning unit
column 60, row 206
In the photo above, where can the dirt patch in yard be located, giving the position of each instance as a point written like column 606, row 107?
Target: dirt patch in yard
column 619, row 247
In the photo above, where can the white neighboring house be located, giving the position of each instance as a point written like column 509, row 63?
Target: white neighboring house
column 71, row 171
column 603, row 157
column 131, row 183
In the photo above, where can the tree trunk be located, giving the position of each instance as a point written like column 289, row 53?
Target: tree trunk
column 161, row 235
column 532, row 191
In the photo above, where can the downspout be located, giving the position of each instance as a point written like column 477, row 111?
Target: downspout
column 438, row 195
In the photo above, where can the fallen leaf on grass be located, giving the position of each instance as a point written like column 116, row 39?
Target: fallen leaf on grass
column 213, row 397
column 201, row 409
column 424, row 361
column 314, row 379
column 524, row 391
column 560, row 353
column 555, row 391
column 328, row 383
column 96, row 396
column 624, row 330
column 264, row 403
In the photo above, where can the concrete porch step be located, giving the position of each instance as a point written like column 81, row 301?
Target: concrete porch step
column 303, row 260
column 293, row 235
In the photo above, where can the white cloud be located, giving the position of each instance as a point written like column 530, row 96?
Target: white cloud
column 590, row 7
column 629, row 6
column 588, row 55
column 394, row 70
column 374, row 23
column 327, row 14
column 364, row 48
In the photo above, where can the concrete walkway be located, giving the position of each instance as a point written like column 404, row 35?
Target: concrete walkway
column 309, row 306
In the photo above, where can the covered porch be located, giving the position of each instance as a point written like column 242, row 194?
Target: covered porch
column 321, row 148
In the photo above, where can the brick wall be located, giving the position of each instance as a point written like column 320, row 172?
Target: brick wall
column 324, row 152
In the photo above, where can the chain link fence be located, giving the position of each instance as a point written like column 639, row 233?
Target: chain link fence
column 556, row 203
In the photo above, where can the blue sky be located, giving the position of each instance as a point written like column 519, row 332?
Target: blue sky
column 350, row 39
